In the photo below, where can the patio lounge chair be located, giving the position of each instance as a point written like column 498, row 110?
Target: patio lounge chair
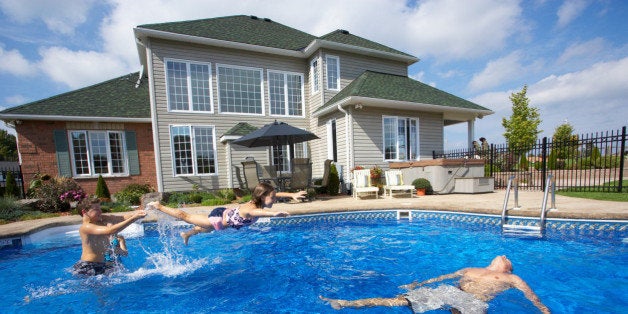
column 394, row 183
column 362, row 183
column 269, row 175
column 251, row 176
column 301, row 178
column 326, row 169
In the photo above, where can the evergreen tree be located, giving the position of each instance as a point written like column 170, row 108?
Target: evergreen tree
column 102, row 191
column 564, row 142
column 522, row 126
column 334, row 181
column 10, row 188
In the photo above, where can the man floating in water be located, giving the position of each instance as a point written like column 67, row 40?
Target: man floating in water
column 476, row 287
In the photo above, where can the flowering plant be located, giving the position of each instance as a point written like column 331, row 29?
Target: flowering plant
column 376, row 172
column 73, row 196
column 357, row 168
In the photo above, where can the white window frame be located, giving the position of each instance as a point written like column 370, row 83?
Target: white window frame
column 286, row 96
column 329, row 59
column 300, row 151
column 193, row 150
column 261, row 89
column 190, row 96
column 315, row 82
column 408, row 136
column 90, row 154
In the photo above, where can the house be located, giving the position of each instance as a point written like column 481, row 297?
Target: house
column 205, row 83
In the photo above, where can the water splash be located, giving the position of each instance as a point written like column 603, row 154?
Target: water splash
column 166, row 259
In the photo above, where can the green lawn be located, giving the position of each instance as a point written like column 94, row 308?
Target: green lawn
column 603, row 196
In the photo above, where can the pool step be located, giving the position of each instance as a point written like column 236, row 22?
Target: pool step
column 522, row 231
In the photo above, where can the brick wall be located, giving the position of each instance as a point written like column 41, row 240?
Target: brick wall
column 37, row 153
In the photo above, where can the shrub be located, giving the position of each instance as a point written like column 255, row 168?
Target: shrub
column 102, row 191
column 334, row 181
column 49, row 194
column 422, row 183
column 132, row 193
column 227, row 194
column 10, row 209
column 11, row 186
column 176, row 199
column 215, row 202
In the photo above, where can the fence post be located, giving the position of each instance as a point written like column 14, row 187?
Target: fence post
column 543, row 163
column 490, row 160
column 621, row 161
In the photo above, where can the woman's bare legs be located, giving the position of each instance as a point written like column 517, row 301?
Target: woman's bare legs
column 390, row 302
column 195, row 219
column 194, row 231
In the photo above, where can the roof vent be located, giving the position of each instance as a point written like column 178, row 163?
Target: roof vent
column 267, row 19
column 342, row 31
column 253, row 17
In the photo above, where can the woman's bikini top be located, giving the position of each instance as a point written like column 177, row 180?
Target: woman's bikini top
column 236, row 221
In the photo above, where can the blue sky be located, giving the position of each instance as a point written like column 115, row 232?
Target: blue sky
column 572, row 55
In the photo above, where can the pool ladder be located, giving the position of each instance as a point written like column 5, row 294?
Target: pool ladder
column 536, row 231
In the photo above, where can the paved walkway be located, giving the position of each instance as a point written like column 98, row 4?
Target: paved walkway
column 489, row 203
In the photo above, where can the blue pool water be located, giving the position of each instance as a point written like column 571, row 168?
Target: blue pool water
column 284, row 268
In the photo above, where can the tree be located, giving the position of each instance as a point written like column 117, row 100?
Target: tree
column 102, row 191
column 11, row 189
column 8, row 146
column 522, row 127
column 565, row 144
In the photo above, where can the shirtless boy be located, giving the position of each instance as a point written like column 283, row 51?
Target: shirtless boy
column 95, row 235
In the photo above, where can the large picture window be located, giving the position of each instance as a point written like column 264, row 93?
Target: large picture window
column 333, row 72
column 193, row 150
column 240, row 90
column 285, row 91
column 401, row 138
column 98, row 153
column 188, row 86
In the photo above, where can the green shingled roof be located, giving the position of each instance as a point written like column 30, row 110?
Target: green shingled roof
column 401, row 88
column 262, row 32
column 114, row 98
column 344, row 37
column 240, row 28
column 242, row 128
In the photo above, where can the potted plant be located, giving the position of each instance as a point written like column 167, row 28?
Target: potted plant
column 422, row 186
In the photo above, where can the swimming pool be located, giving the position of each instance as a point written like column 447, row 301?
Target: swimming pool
column 285, row 264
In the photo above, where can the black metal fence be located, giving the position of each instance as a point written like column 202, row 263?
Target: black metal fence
column 589, row 162
column 15, row 169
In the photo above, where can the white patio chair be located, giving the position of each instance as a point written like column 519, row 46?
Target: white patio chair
column 394, row 183
column 362, row 183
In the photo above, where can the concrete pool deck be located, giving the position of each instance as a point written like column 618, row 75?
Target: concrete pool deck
column 488, row 203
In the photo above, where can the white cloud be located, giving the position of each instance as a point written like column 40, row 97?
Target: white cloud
column 583, row 50
column 13, row 62
column 569, row 10
column 498, row 71
column 15, row 100
column 79, row 68
column 454, row 29
column 59, row 16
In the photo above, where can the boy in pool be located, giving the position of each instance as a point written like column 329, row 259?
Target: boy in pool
column 263, row 196
column 476, row 287
column 95, row 232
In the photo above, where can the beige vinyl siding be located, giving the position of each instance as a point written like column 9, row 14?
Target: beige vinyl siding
column 368, row 134
column 352, row 66
column 222, row 122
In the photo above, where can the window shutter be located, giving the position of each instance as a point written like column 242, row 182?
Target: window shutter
column 131, row 150
column 62, row 151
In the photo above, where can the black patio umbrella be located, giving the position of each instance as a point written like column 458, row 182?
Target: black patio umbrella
column 274, row 134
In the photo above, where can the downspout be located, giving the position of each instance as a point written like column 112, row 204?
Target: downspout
column 348, row 141
column 153, row 115
column 229, row 166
